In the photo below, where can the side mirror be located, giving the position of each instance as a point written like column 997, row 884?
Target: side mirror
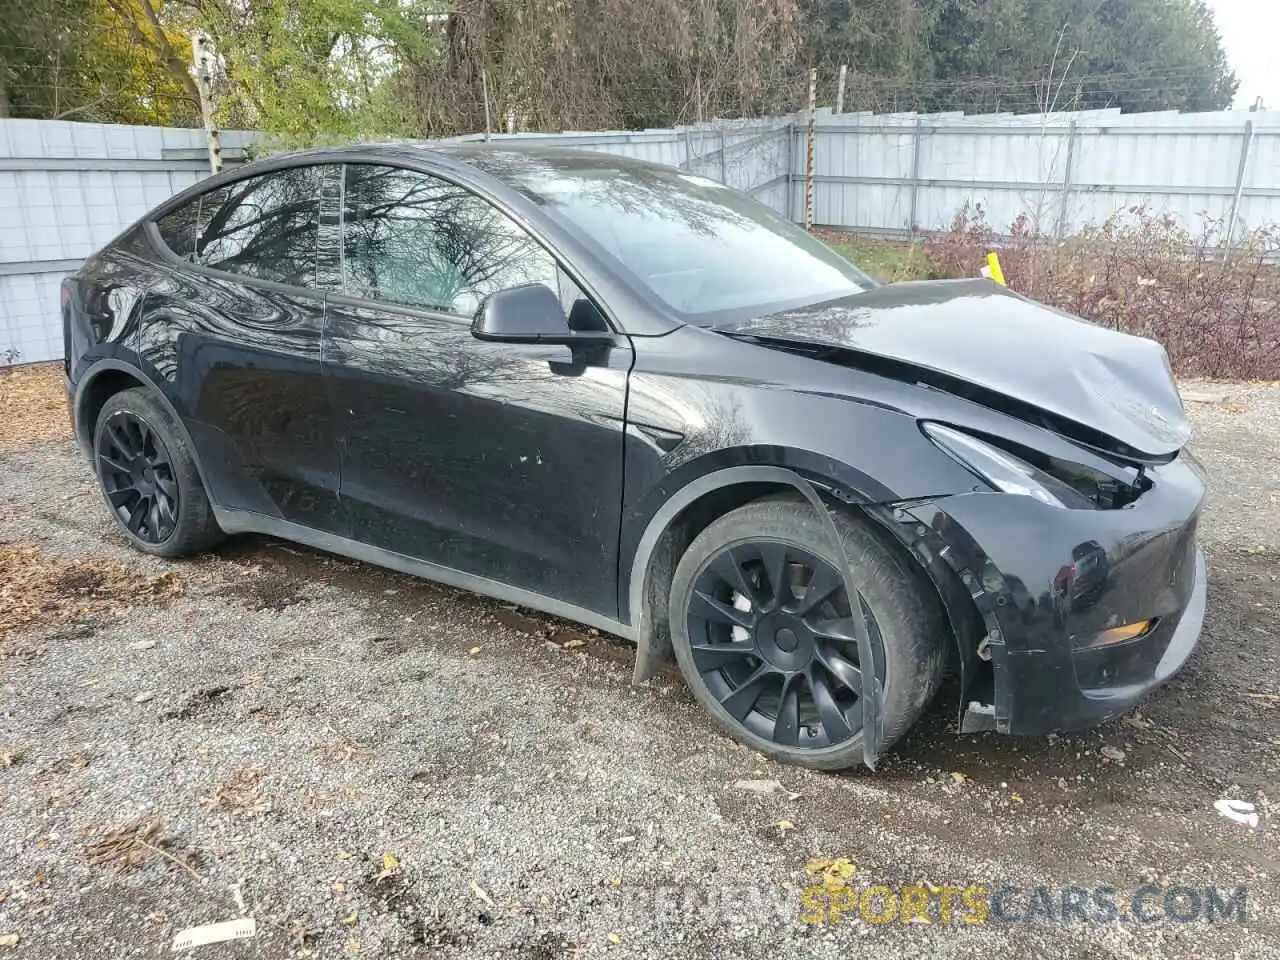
column 530, row 313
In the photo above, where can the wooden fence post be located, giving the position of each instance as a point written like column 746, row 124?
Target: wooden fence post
column 808, row 158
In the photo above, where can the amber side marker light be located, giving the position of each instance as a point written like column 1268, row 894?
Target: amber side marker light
column 1130, row 631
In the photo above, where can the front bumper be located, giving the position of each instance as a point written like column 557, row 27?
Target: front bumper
column 1047, row 581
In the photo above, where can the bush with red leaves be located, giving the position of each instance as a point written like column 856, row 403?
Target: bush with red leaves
column 1215, row 309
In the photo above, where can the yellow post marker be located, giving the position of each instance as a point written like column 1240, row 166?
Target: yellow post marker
column 993, row 266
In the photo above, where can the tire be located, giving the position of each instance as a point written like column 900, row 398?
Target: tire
column 903, row 615
column 141, row 458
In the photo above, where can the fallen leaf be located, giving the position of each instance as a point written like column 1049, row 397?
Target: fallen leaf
column 615, row 939
column 1112, row 753
column 784, row 826
column 344, row 856
column 144, row 696
column 834, row 872
column 474, row 651
column 958, row 777
column 1016, row 798
column 1235, row 407
column 142, row 645
column 9, row 940
column 574, row 644
column 339, row 888
column 352, row 918
column 390, row 863
column 9, row 757
column 479, row 892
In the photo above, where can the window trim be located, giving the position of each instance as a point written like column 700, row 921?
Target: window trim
column 152, row 231
column 429, row 166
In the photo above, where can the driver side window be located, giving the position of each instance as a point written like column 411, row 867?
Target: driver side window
column 413, row 239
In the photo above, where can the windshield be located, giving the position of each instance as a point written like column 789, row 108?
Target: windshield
column 701, row 248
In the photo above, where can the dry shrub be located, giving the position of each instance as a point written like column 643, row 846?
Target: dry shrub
column 1216, row 313
column 36, row 591
column 127, row 847
column 240, row 794
column 33, row 405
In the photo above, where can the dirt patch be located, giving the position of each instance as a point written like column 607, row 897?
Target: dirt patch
column 33, row 406
column 37, row 592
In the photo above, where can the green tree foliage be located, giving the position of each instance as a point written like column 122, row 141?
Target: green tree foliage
column 1025, row 55
column 88, row 60
column 316, row 70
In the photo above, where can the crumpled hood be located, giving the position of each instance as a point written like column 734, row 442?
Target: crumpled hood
column 981, row 333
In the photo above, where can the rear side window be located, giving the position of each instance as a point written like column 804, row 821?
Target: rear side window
column 413, row 239
column 178, row 229
column 265, row 227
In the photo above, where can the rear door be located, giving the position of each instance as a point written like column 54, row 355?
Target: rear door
column 238, row 335
column 502, row 461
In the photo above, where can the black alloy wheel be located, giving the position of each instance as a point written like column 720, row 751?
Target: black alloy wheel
column 764, row 632
column 771, row 632
column 138, row 477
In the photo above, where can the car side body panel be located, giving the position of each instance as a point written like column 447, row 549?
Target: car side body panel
column 503, row 461
column 852, row 433
column 241, row 363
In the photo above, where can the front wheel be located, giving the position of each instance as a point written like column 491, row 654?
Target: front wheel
column 761, row 623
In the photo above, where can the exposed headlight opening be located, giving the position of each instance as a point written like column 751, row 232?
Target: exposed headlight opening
column 1002, row 470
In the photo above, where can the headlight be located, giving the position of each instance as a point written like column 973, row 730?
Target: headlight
column 1003, row 470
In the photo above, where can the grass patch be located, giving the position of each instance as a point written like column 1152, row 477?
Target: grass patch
column 889, row 260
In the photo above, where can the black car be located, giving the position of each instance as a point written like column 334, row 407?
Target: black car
column 628, row 396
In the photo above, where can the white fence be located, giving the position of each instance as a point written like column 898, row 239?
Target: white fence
column 901, row 172
column 67, row 188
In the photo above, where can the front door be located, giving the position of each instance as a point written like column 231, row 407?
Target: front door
column 502, row 461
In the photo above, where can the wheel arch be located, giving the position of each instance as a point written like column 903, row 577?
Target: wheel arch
column 670, row 531
column 674, row 525
column 103, row 380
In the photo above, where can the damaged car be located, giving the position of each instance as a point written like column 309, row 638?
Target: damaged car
column 617, row 393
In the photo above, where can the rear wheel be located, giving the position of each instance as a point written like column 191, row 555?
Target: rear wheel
column 148, row 477
column 762, row 627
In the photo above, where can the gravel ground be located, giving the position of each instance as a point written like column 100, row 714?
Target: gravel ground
column 290, row 719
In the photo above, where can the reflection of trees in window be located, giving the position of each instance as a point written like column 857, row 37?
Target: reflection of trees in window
column 265, row 227
column 178, row 229
column 649, row 193
column 413, row 239
column 698, row 246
